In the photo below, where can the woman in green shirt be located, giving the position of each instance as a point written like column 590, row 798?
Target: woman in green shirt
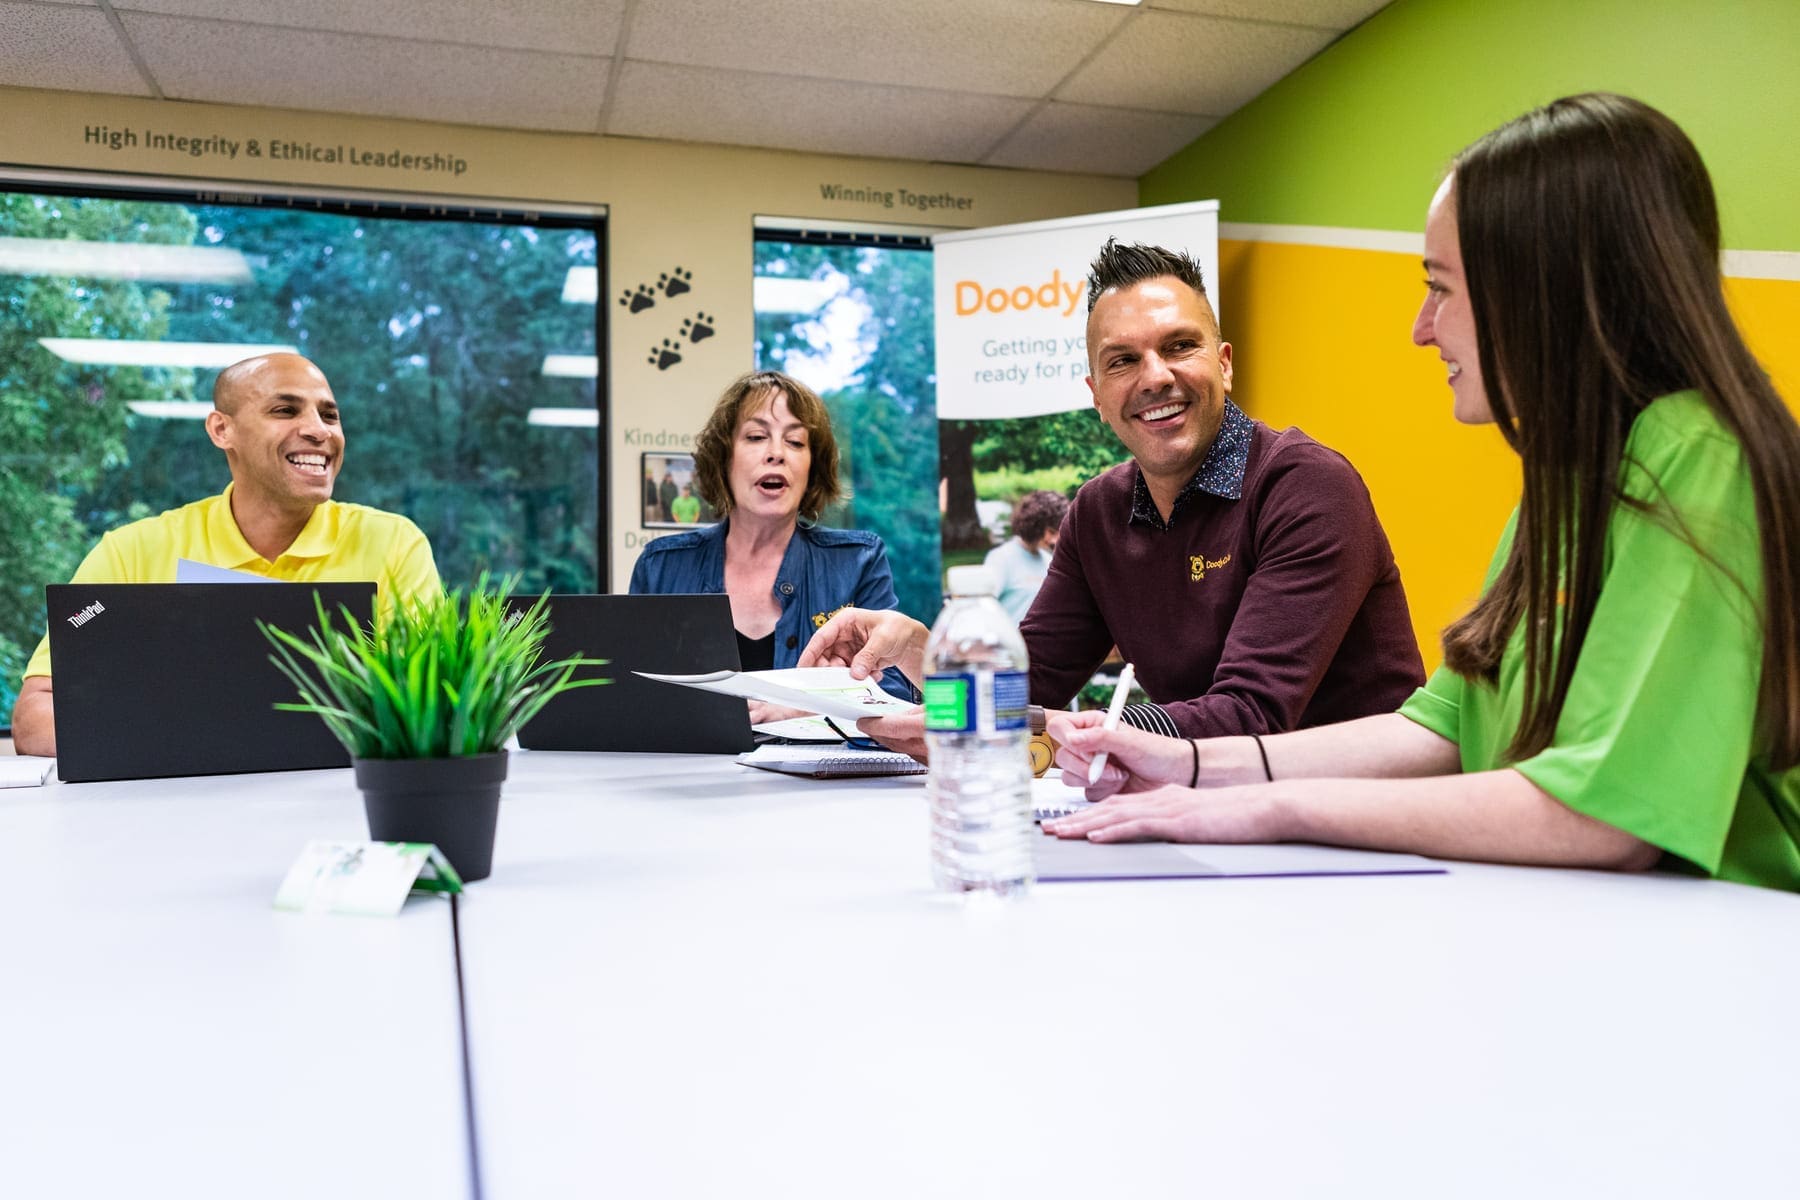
column 1627, row 689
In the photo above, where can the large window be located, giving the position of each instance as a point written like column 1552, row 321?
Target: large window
column 462, row 345
column 851, row 316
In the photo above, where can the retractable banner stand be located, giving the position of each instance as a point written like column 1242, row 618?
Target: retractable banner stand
column 1015, row 414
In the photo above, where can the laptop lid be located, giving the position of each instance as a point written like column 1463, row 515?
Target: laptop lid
column 672, row 635
column 158, row 679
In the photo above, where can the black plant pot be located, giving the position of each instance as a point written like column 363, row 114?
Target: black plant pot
column 454, row 803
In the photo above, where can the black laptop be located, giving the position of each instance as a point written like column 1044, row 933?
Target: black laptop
column 671, row 635
column 157, row 679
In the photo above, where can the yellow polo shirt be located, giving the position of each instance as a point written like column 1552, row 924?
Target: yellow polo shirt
column 342, row 543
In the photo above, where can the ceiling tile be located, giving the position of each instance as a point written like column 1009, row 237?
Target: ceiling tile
column 1325, row 14
column 1098, row 141
column 1252, row 56
column 335, row 72
column 741, row 108
column 73, row 49
column 562, row 26
column 998, row 47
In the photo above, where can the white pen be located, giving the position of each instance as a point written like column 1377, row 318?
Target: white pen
column 1126, row 678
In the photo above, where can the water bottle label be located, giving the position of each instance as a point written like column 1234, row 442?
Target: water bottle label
column 976, row 701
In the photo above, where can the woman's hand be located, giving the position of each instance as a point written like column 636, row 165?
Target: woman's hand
column 1135, row 761
column 1178, row 814
column 764, row 713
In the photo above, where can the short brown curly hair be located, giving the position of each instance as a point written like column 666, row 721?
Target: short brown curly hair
column 1036, row 514
column 712, row 448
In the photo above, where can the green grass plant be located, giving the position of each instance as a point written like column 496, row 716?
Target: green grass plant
column 442, row 676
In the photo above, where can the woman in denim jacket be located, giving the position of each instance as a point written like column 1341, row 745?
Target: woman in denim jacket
column 767, row 462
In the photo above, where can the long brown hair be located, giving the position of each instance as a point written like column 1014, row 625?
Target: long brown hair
column 1590, row 245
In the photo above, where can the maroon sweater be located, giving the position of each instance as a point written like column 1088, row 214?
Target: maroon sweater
column 1274, row 609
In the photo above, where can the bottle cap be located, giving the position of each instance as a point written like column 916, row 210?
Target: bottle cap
column 971, row 580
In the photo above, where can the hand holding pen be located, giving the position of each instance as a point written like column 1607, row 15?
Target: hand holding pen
column 1127, row 677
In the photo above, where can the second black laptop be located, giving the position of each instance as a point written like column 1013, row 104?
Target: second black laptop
column 157, row 679
column 671, row 635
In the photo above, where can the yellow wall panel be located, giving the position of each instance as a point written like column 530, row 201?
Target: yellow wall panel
column 1321, row 339
column 1768, row 311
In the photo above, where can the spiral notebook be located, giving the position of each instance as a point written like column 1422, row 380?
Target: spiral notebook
column 1051, row 797
column 830, row 762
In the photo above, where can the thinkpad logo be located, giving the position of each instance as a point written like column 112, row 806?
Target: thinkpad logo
column 87, row 614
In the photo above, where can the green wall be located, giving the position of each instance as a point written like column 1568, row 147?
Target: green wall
column 1359, row 136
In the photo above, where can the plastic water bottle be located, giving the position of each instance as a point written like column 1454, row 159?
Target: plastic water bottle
column 976, row 695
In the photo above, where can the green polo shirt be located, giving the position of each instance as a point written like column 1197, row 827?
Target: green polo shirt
column 340, row 543
column 1656, row 737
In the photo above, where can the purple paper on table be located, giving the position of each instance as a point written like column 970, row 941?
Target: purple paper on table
column 1072, row 861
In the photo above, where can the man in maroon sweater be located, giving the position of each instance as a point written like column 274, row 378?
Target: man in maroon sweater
column 1241, row 569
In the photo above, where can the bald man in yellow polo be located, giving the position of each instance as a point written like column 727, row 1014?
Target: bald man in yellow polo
column 276, row 419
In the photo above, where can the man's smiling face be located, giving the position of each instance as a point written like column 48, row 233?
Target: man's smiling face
column 278, row 425
column 1160, row 375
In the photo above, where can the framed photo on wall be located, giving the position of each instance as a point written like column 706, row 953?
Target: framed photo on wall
column 670, row 499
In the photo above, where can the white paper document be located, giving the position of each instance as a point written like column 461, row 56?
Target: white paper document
column 829, row 691
column 802, row 729
column 365, row 879
column 189, row 571
column 24, row 770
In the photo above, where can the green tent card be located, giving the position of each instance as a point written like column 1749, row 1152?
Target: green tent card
column 368, row 879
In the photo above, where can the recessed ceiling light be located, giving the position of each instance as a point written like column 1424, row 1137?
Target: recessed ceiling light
column 573, row 418
column 582, row 286
column 115, row 352
column 1132, row 3
column 572, row 366
column 117, row 260
column 170, row 410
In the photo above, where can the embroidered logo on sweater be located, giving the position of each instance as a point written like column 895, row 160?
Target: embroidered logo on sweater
column 819, row 619
column 1199, row 566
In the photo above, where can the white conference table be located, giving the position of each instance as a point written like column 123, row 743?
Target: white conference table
column 686, row 978
column 165, row 1032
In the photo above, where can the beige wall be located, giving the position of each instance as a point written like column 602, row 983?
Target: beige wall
column 668, row 204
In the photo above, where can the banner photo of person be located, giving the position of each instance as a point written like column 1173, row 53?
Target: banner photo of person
column 1017, row 430
column 671, row 501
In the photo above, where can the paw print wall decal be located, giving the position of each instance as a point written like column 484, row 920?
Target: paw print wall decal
column 676, row 281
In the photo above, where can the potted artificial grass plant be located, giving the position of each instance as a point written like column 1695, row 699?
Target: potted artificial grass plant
column 425, row 702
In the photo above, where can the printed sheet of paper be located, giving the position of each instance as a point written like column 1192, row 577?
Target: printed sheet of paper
column 367, row 879
column 189, row 571
column 802, row 729
column 830, row 691
column 25, row 770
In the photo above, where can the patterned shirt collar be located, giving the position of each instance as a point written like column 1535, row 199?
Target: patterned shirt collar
column 1221, row 472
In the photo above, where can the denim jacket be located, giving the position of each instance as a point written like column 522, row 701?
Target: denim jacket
column 822, row 571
